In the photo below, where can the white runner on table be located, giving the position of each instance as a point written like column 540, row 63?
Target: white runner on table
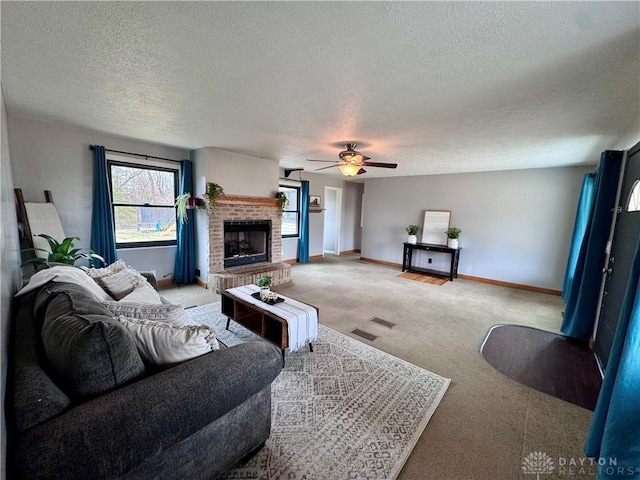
column 302, row 319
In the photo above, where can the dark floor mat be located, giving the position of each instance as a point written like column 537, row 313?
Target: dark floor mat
column 546, row 361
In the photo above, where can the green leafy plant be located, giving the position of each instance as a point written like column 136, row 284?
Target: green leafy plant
column 62, row 253
column 211, row 195
column 264, row 281
column 284, row 200
column 412, row 229
column 182, row 201
column 453, row 232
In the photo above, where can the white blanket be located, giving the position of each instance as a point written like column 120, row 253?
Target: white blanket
column 302, row 319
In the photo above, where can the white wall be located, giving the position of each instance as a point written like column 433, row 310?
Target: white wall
column 350, row 223
column 516, row 225
column 238, row 175
column 56, row 157
column 10, row 268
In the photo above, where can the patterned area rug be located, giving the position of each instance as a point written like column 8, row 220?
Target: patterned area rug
column 345, row 411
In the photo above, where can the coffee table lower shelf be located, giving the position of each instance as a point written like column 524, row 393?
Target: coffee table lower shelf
column 261, row 322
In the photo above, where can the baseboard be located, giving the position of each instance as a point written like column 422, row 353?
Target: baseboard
column 350, row 252
column 202, row 283
column 313, row 258
column 491, row 281
column 519, row 286
column 381, row 262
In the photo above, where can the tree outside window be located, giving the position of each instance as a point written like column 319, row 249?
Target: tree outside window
column 143, row 199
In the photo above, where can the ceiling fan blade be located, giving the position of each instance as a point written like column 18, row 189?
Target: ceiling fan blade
column 324, row 168
column 361, row 171
column 380, row 164
column 327, row 161
column 365, row 158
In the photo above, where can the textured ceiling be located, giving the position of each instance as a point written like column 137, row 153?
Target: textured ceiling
column 437, row 87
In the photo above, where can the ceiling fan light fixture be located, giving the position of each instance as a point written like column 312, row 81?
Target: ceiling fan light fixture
column 349, row 170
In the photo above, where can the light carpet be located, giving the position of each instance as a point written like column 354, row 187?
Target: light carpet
column 345, row 411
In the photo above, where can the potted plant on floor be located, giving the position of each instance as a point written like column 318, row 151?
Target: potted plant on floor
column 61, row 253
column 264, row 283
column 453, row 233
column 412, row 230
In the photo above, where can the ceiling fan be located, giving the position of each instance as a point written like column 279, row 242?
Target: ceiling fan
column 351, row 162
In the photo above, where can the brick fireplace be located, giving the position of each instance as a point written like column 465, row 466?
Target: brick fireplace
column 235, row 210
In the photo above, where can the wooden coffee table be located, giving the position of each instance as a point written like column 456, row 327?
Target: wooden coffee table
column 267, row 324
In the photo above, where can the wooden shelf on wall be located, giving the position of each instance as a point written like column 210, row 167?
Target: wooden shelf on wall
column 243, row 200
column 316, row 210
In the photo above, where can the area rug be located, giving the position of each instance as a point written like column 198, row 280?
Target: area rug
column 545, row 361
column 424, row 278
column 345, row 411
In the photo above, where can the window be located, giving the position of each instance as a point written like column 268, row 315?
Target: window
column 634, row 198
column 143, row 199
column 291, row 216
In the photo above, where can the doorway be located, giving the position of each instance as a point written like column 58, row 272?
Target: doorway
column 624, row 243
column 331, row 231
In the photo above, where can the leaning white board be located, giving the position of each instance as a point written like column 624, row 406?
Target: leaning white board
column 434, row 228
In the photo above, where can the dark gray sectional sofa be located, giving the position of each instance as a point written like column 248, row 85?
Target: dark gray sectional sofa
column 192, row 421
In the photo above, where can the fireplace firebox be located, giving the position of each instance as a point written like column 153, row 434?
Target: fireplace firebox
column 246, row 242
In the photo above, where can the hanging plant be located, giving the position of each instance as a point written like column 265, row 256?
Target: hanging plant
column 284, row 201
column 182, row 201
column 211, row 195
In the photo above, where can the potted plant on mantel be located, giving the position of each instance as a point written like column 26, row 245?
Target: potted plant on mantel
column 453, row 233
column 284, row 201
column 412, row 230
column 211, row 195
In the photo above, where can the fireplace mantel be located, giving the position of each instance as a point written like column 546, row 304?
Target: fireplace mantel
column 250, row 201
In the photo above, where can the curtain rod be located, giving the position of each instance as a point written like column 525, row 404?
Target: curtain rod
column 93, row 147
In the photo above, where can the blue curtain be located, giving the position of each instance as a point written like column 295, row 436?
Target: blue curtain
column 184, row 270
column 582, row 296
column 303, row 247
column 583, row 215
column 102, row 231
column 615, row 428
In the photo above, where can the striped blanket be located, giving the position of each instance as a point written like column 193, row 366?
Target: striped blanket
column 302, row 319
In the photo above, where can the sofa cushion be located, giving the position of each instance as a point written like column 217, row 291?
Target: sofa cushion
column 87, row 348
column 163, row 344
column 121, row 284
column 143, row 293
column 166, row 313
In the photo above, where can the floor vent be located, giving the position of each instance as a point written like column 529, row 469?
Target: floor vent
column 383, row 322
column 361, row 333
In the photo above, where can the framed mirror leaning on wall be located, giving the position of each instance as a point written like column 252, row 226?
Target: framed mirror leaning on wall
column 434, row 228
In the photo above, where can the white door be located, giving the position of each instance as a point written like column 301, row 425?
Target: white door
column 333, row 207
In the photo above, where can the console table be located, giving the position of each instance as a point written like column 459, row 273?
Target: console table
column 407, row 257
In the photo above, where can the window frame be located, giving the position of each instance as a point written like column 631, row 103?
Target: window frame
column 176, row 185
column 296, row 211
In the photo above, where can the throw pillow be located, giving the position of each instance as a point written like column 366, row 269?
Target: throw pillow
column 163, row 344
column 166, row 313
column 92, row 354
column 121, row 284
column 143, row 293
column 115, row 267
